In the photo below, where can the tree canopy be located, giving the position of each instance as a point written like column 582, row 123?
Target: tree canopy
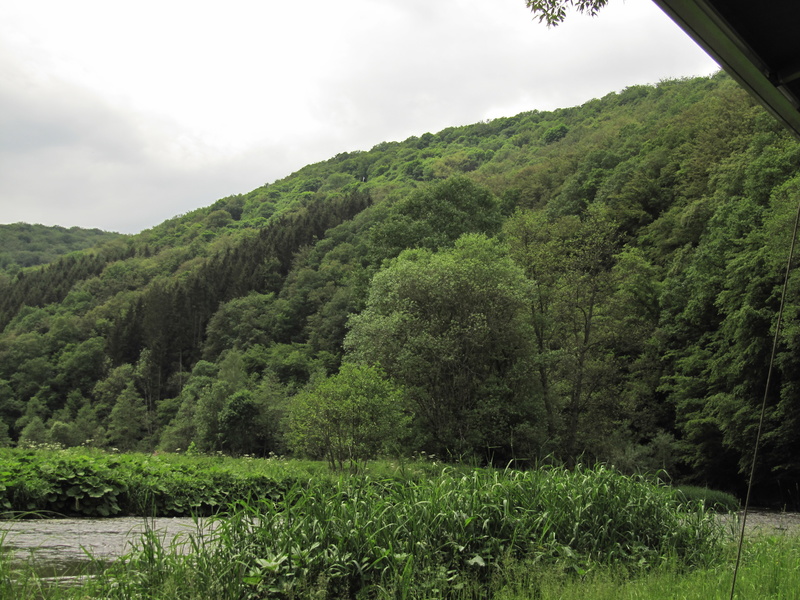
column 454, row 328
column 553, row 12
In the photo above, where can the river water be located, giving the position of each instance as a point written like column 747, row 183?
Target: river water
column 67, row 547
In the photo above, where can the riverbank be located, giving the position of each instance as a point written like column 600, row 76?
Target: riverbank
column 68, row 547
column 443, row 535
column 764, row 522
column 413, row 529
column 57, row 548
column 83, row 482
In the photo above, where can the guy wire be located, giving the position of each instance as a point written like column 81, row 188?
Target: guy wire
column 766, row 393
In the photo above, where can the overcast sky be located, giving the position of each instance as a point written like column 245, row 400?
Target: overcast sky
column 119, row 115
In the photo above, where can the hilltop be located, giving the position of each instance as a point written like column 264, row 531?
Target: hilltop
column 26, row 245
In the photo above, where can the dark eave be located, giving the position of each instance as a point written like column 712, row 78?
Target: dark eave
column 757, row 43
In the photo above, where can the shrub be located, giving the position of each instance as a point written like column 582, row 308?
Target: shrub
column 710, row 499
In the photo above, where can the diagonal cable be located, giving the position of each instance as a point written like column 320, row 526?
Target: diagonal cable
column 766, row 393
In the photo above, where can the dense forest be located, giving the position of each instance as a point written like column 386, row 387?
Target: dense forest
column 27, row 245
column 596, row 283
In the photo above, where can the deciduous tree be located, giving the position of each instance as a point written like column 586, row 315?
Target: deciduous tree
column 349, row 417
column 553, row 12
column 454, row 327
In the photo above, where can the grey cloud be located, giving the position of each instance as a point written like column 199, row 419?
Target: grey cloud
column 41, row 114
column 68, row 158
column 423, row 78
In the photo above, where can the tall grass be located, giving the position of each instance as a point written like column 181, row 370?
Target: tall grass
column 454, row 535
column 712, row 499
column 770, row 570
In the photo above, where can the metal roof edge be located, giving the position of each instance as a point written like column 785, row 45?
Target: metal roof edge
column 710, row 31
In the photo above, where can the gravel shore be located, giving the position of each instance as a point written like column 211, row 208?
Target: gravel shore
column 766, row 522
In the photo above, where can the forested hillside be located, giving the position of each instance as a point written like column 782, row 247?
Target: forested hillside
column 592, row 283
column 25, row 245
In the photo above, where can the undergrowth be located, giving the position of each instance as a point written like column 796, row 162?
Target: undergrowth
column 88, row 482
column 458, row 534
column 711, row 499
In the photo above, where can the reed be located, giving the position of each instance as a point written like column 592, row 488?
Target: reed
column 712, row 499
column 444, row 536
column 769, row 571
column 463, row 533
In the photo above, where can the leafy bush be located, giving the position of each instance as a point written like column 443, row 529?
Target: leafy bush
column 286, row 529
column 555, row 133
column 349, row 417
column 711, row 499
column 456, row 529
column 83, row 482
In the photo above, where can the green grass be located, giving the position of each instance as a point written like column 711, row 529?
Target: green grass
column 770, row 570
column 711, row 499
column 466, row 533
column 90, row 482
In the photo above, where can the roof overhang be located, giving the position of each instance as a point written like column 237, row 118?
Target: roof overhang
column 758, row 44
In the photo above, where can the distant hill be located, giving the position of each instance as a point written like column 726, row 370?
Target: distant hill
column 591, row 283
column 24, row 245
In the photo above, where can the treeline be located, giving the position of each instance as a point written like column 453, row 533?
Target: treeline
column 592, row 283
column 25, row 245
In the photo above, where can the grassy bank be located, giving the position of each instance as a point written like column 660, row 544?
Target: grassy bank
column 468, row 533
column 770, row 570
column 89, row 482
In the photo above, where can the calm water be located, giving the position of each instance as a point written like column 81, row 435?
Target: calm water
column 66, row 547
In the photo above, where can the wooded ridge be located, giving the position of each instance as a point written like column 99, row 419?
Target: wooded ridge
column 596, row 283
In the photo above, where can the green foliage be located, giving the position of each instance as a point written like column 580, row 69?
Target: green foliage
column 648, row 230
column 711, row 499
column 460, row 528
column 569, row 264
column 555, row 133
column 435, row 216
column 155, row 569
column 245, row 322
column 454, row 534
column 244, row 424
column 85, row 482
column 766, row 571
column 59, row 483
column 25, row 245
column 128, row 421
column 349, row 417
column 453, row 327
column 553, row 12
column 33, row 433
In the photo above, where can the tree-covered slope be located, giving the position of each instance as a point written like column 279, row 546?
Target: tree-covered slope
column 24, row 245
column 592, row 283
